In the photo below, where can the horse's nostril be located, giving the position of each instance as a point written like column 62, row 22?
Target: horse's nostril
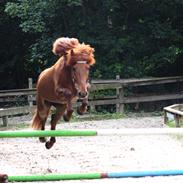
column 82, row 94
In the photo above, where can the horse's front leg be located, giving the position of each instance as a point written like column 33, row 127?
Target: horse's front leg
column 83, row 108
column 69, row 111
column 68, row 95
column 43, row 139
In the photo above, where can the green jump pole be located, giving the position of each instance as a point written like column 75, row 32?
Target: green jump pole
column 88, row 132
column 47, row 133
column 54, row 177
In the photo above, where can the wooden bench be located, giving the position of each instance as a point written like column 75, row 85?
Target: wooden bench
column 175, row 112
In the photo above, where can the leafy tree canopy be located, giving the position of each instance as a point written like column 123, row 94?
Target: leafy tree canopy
column 132, row 38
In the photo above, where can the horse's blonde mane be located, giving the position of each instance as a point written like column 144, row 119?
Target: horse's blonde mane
column 73, row 50
column 81, row 52
column 63, row 44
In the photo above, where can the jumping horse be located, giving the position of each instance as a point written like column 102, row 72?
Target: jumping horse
column 62, row 84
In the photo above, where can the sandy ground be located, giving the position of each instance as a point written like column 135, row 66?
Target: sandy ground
column 97, row 154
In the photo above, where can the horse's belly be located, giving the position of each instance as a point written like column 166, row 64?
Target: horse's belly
column 52, row 97
column 60, row 100
column 55, row 100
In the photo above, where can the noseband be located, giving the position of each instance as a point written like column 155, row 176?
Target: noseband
column 81, row 62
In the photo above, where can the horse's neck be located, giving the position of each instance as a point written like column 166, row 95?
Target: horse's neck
column 64, row 75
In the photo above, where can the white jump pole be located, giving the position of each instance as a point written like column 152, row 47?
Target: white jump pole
column 140, row 131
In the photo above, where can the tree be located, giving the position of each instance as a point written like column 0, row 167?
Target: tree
column 13, row 49
column 133, row 38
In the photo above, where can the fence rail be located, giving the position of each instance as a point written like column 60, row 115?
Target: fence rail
column 119, row 99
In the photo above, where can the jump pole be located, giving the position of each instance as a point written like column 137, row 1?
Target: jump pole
column 104, row 132
column 91, row 132
column 81, row 176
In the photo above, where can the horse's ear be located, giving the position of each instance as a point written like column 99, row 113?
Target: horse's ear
column 92, row 50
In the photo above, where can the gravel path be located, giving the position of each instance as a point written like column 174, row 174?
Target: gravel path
column 97, row 154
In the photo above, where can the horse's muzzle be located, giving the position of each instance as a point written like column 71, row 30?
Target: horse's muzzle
column 82, row 95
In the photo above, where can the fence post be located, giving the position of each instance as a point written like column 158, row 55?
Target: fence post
column 5, row 121
column 30, row 96
column 120, row 96
column 92, row 107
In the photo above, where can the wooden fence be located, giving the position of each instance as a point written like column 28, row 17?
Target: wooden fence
column 118, row 98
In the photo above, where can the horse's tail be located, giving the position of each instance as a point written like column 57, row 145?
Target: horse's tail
column 36, row 121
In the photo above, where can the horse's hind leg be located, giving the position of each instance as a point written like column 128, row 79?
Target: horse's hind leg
column 43, row 139
column 60, row 109
column 39, row 121
column 43, row 111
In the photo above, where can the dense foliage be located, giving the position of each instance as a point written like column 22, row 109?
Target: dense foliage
column 132, row 38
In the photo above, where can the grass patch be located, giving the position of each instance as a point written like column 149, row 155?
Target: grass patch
column 172, row 123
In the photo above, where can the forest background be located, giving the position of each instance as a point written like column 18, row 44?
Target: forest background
column 132, row 38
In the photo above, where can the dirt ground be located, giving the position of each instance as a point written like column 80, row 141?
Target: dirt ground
column 96, row 154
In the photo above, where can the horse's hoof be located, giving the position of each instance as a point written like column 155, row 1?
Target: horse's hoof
column 42, row 139
column 48, row 145
column 3, row 178
column 79, row 112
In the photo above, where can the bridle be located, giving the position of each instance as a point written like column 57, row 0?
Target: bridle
column 73, row 76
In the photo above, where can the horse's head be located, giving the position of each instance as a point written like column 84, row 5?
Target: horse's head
column 80, row 60
column 79, row 57
column 80, row 74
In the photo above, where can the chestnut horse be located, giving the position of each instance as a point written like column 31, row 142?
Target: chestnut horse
column 62, row 84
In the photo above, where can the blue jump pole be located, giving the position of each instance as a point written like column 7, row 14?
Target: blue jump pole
column 151, row 173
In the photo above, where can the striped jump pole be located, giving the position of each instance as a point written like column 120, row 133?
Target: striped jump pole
column 81, row 176
column 101, row 132
column 92, row 132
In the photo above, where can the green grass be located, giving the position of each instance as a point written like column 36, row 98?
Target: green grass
column 172, row 124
